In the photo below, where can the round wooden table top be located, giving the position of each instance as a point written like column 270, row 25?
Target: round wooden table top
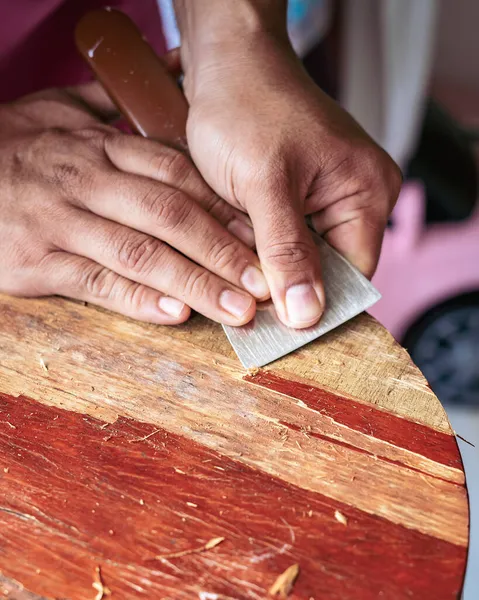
column 143, row 462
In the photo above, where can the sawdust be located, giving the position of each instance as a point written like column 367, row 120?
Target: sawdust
column 208, row 546
column 145, row 437
column 99, row 586
column 284, row 584
column 340, row 517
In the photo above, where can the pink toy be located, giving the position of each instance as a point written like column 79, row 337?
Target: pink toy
column 429, row 278
column 423, row 266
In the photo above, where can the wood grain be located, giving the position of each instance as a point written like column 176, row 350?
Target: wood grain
column 347, row 423
column 66, row 471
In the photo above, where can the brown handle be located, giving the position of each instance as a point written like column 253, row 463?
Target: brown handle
column 134, row 76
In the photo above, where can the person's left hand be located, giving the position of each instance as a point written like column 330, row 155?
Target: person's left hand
column 271, row 143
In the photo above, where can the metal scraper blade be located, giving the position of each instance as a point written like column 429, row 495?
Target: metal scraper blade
column 265, row 338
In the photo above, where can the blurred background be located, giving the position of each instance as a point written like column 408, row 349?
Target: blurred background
column 408, row 71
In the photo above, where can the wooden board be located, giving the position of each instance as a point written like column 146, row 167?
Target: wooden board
column 126, row 447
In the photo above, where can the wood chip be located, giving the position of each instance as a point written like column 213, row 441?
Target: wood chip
column 142, row 502
column 6, row 469
column 43, row 365
column 208, row 546
column 284, row 584
column 179, row 471
column 192, row 504
column 145, row 437
column 252, row 371
column 340, row 517
column 99, row 586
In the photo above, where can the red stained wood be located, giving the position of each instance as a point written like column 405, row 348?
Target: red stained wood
column 75, row 494
column 430, row 443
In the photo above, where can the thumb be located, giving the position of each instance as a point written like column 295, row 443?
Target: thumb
column 355, row 233
column 288, row 255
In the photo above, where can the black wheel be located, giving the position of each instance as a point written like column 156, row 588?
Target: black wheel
column 444, row 344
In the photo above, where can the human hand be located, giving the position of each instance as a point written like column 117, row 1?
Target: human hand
column 112, row 219
column 271, row 143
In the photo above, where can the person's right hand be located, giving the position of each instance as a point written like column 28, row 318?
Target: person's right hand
column 90, row 213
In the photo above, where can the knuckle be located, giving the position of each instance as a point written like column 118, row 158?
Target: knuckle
column 135, row 296
column 96, row 135
column 289, row 255
column 223, row 253
column 98, row 281
column 173, row 164
column 140, row 253
column 170, row 208
column 198, row 284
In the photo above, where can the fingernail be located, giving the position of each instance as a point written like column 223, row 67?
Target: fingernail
column 171, row 306
column 242, row 231
column 254, row 281
column 235, row 303
column 302, row 305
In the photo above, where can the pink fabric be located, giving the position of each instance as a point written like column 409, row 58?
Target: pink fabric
column 37, row 47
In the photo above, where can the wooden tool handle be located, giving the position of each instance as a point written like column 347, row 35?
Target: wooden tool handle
column 134, row 76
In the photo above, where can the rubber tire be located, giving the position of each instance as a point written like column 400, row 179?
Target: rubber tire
column 456, row 380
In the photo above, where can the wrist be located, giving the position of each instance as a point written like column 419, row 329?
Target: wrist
column 215, row 34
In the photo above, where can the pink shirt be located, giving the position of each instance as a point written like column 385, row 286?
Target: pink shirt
column 37, row 48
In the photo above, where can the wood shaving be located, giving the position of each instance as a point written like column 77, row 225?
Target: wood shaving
column 179, row 471
column 284, row 584
column 43, row 365
column 6, row 469
column 142, row 502
column 340, row 517
column 208, row 546
column 192, row 504
column 310, row 513
column 105, row 425
column 145, row 437
column 253, row 371
column 10, row 424
column 99, row 586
